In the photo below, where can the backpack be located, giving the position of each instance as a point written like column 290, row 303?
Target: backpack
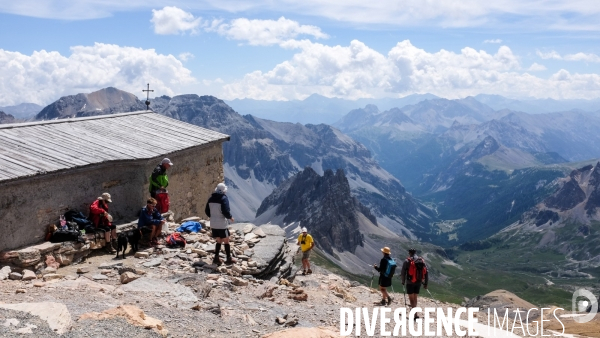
column 175, row 239
column 390, row 269
column 162, row 201
column 417, row 270
column 60, row 236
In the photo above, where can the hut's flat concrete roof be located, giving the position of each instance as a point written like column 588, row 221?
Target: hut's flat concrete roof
column 28, row 149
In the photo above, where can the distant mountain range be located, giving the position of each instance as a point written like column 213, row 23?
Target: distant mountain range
column 23, row 111
column 320, row 109
column 471, row 161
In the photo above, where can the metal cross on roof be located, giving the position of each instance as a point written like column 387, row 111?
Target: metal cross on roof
column 147, row 96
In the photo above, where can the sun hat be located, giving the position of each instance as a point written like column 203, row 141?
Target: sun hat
column 386, row 250
column 105, row 197
column 221, row 188
column 304, row 229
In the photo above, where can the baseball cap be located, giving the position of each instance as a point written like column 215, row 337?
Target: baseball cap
column 166, row 161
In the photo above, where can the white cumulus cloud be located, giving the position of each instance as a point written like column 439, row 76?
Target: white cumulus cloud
column 265, row 32
column 357, row 70
column 173, row 20
column 587, row 57
column 44, row 76
column 536, row 67
column 493, row 41
column 186, row 56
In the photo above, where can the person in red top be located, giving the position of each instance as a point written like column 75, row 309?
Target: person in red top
column 101, row 218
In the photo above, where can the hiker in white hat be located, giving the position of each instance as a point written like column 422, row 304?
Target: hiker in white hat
column 159, row 179
column 217, row 209
column 103, row 220
column 306, row 243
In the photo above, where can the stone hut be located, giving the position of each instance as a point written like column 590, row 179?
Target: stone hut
column 49, row 167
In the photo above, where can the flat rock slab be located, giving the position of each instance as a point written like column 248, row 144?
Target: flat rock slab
column 272, row 230
column 170, row 291
column 99, row 277
column 110, row 265
column 81, row 283
column 56, row 314
column 153, row 263
column 269, row 248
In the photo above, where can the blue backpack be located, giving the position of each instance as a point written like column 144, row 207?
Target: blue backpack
column 391, row 268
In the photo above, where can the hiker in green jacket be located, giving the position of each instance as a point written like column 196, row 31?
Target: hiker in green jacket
column 159, row 178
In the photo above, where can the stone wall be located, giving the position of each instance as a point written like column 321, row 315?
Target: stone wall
column 29, row 205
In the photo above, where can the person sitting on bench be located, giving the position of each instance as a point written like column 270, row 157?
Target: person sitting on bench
column 150, row 217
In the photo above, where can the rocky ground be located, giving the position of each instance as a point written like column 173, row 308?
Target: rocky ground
column 178, row 293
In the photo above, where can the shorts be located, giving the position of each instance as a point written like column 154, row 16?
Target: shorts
column 105, row 227
column 220, row 233
column 306, row 254
column 385, row 281
column 413, row 288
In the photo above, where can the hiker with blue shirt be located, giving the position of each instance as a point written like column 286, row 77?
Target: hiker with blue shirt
column 386, row 268
column 150, row 218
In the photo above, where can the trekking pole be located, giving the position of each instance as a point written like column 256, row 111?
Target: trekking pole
column 430, row 295
column 372, row 276
column 404, row 289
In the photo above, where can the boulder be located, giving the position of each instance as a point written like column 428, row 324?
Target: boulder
column 248, row 228
column 99, row 277
column 259, row 232
column 15, row 276
column 127, row 277
column 249, row 237
column 5, row 272
column 28, row 275
column 141, row 254
column 51, row 262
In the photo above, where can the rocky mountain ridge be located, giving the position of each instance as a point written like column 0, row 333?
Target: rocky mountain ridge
column 105, row 101
column 323, row 204
column 7, row 118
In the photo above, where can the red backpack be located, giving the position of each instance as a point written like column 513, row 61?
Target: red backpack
column 162, row 202
column 175, row 239
column 417, row 270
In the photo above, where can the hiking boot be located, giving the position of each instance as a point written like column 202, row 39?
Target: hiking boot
column 109, row 248
column 308, row 272
column 217, row 261
column 383, row 302
column 389, row 300
column 230, row 260
column 303, row 272
column 416, row 316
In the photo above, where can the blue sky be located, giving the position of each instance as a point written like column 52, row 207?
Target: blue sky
column 288, row 50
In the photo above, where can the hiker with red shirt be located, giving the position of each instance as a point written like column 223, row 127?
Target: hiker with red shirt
column 414, row 273
column 100, row 217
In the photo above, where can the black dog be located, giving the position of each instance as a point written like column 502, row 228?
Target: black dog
column 122, row 243
column 134, row 237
